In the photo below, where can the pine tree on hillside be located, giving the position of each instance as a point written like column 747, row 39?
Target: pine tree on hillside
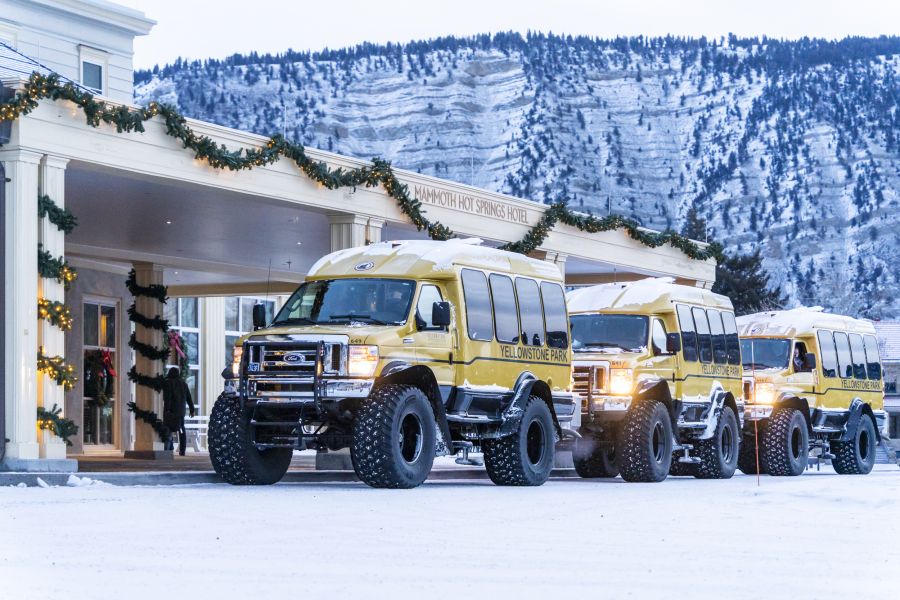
column 694, row 225
column 742, row 278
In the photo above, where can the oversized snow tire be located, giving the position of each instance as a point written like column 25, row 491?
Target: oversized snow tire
column 525, row 457
column 645, row 442
column 856, row 456
column 747, row 456
column 719, row 454
column 234, row 457
column 394, row 438
column 785, row 443
column 594, row 458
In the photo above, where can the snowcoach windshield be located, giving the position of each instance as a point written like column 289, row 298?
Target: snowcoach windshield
column 357, row 300
column 765, row 353
column 609, row 333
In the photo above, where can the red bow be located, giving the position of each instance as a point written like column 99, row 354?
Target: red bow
column 175, row 343
column 108, row 363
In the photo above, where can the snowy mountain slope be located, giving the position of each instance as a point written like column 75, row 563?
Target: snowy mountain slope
column 793, row 147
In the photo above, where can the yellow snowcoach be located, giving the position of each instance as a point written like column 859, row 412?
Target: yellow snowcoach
column 401, row 351
column 658, row 369
column 813, row 384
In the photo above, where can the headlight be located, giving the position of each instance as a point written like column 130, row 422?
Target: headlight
column 236, row 363
column 621, row 382
column 764, row 393
column 363, row 360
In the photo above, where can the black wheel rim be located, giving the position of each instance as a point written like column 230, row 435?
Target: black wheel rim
column 863, row 444
column 534, row 442
column 411, row 436
column 658, row 442
column 796, row 439
column 727, row 443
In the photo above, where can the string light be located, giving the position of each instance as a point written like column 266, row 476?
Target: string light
column 56, row 313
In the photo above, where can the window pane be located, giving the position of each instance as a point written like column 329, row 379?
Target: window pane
column 555, row 315
column 717, row 330
column 270, row 310
column 530, row 313
column 229, row 349
column 506, row 317
column 92, row 76
column 829, row 354
column 704, row 341
column 858, row 352
column 108, row 326
column 845, row 364
column 188, row 312
column 231, row 314
column 193, row 383
column 91, row 324
column 170, row 311
column 658, row 337
column 688, row 335
column 191, row 347
column 427, row 297
column 479, row 322
column 873, row 361
column 732, row 342
column 247, row 314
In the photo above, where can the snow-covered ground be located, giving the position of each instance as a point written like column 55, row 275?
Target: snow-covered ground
column 816, row 536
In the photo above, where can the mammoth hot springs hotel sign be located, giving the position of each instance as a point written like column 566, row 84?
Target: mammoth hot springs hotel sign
column 470, row 204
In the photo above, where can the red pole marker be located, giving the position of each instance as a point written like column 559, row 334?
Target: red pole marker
column 756, row 437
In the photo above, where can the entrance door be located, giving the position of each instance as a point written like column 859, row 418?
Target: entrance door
column 100, row 373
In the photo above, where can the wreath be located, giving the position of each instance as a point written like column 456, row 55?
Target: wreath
column 99, row 377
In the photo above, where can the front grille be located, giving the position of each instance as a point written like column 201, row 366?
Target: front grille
column 582, row 380
column 748, row 390
column 589, row 380
column 295, row 359
column 300, row 361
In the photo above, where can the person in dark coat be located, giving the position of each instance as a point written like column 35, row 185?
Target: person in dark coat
column 176, row 395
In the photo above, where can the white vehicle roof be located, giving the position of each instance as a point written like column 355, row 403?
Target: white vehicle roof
column 648, row 296
column 798, row 322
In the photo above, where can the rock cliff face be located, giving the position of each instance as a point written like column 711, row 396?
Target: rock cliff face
column 790, row 147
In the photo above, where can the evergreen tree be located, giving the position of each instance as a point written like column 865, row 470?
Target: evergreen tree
column 694, row 225
column 742, row 278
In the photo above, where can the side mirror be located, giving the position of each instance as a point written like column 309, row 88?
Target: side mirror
column 259, row 316
column 440, row 314
column 809, row 363
column 673, row 343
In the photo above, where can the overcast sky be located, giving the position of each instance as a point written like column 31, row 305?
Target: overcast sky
column 204, row 29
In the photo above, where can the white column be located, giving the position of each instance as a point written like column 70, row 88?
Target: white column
column 50, row 337
column 146, row 442
column 20, row 289
column 558, row 259
column 212, row 351
column 350, row 230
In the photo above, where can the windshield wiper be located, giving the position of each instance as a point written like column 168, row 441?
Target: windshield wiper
column 356, row 317
column 608, row 345
column 303, row 320
column 759, row 366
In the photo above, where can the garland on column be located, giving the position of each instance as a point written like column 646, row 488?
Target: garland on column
column 149, row 417
column 57, row 369
column 51, row 420
column 56, row 313
column 63, row 218
column 55, row 267
column 379, row 172
column 148, row 351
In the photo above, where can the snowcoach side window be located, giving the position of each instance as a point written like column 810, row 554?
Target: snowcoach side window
column 704, row 339
column 479, row 321
column 658, row 337
column 720, row 353
column 427, row 297
column 530, row 313
column 732, row 341
column 506, row 318
column 845, row 364
column 829, row 354
column 873, row 360
column 555, row 315
column 688, row 334
column 858, row 352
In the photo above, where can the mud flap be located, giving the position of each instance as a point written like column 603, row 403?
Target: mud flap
column 858, row 409
column 512, row 416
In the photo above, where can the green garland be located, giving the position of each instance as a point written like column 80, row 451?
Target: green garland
column 154, row 382
column 63, row 218
column 378, row 173
column 53, row 267
column 149, row 417
column 57, row 369
column 51, row 420
column 156, row 322
column 154, row 290
column 56, row 313
column 148, row 351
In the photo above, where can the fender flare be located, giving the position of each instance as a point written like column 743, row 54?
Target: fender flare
column 658, row 389
column 797, row 403
column 858, row 409
column 525, row 385
column 420, row 376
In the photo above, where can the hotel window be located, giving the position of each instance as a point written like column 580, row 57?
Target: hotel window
column 239, row 320
column 183, row 315
column 94, row 66
column 98, row 383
